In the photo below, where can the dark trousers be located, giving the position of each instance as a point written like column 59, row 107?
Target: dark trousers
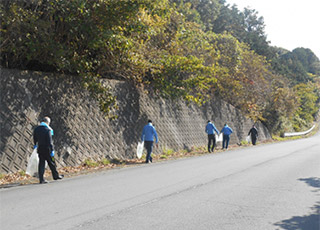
column 148, row 145
column 225, row 142
column 254, row 139
column 211, row 141
column 43, row 157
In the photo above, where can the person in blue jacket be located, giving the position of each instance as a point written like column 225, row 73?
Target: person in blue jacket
column 148, row 135
column 210, row 129
column 226, row 130
column 42, row 138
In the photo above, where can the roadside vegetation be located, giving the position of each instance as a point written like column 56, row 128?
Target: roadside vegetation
column 177, row 49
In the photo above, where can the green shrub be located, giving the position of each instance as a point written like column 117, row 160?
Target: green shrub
column 105, row 161
column 22, row 173
column 91, row 163
column 244, row 142
column 168, row 152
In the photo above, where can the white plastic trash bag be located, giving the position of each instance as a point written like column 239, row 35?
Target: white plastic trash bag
column 33, row 163
column 219, row 137
column 248, row 139
column 140, row 149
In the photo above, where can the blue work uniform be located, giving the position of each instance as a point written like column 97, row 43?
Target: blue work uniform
column 210, row 129
column 148, row 135
column 226, row 130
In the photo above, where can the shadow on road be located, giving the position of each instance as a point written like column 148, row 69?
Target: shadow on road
column 313, row 181
column 306, row 222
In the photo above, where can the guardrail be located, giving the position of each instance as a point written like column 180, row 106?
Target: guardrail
column 299, row 133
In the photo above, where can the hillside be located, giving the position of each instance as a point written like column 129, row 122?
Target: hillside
column 174, row 49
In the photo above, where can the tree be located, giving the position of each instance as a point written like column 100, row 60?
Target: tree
column 308, row 60
column 246, row 26
column 295, row 67
column 281, row 106
column 307, row 99
column 204, row 12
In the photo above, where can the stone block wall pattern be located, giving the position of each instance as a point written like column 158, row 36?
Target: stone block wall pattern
column 80, row 129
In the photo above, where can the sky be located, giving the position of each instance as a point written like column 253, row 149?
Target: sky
column 289, row 24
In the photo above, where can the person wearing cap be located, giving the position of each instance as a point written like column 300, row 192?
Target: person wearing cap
column 210, row 129
column 254, row 134
column 42, row 138
column 226, row 130
column 149, row 133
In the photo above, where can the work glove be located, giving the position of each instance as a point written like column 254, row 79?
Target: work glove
column 35, row 146
column 52, row 153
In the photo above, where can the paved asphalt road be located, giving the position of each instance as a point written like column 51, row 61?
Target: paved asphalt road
column 272, row 186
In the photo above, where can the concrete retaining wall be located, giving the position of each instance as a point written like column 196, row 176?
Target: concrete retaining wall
column 80, row 129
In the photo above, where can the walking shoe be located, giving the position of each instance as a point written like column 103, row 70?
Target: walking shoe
column 59, row 177
column 43, row 182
